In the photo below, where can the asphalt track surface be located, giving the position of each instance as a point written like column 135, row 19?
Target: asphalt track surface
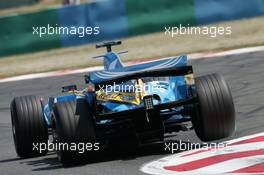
column 244, row 73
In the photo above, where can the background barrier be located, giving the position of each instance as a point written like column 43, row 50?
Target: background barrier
column 117, row 19
column 151, row 16
column 15, row 3
column 16, row 33
column 208, row 11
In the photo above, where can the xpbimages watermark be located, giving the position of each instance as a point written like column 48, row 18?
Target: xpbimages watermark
column 174, row 147
column 79, row 31
column 211, row 31
column 60, row 146
column 150, row 87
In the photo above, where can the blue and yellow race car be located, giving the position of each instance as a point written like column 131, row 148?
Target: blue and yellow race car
column 138, row 103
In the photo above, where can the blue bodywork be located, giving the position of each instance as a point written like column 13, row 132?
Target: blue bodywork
column 173, row 88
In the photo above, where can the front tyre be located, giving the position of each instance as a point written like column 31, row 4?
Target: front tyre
column 28, row 126
column 215, row 117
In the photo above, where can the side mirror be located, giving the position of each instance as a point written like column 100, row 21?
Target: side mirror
column 86, row 79
column 69, row 88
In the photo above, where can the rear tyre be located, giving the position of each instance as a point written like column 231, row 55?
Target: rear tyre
column 215, row 117
column 28, row 126
column 73, row 124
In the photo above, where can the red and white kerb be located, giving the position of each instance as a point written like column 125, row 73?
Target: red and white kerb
column 240, row 156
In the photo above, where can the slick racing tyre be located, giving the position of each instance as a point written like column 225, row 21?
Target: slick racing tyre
column 215, row 117
column 28, row 125
column 73, row 124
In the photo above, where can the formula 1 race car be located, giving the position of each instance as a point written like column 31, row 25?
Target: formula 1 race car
column 138, row 102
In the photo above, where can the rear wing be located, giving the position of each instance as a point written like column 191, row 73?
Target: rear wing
column 125, row 76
